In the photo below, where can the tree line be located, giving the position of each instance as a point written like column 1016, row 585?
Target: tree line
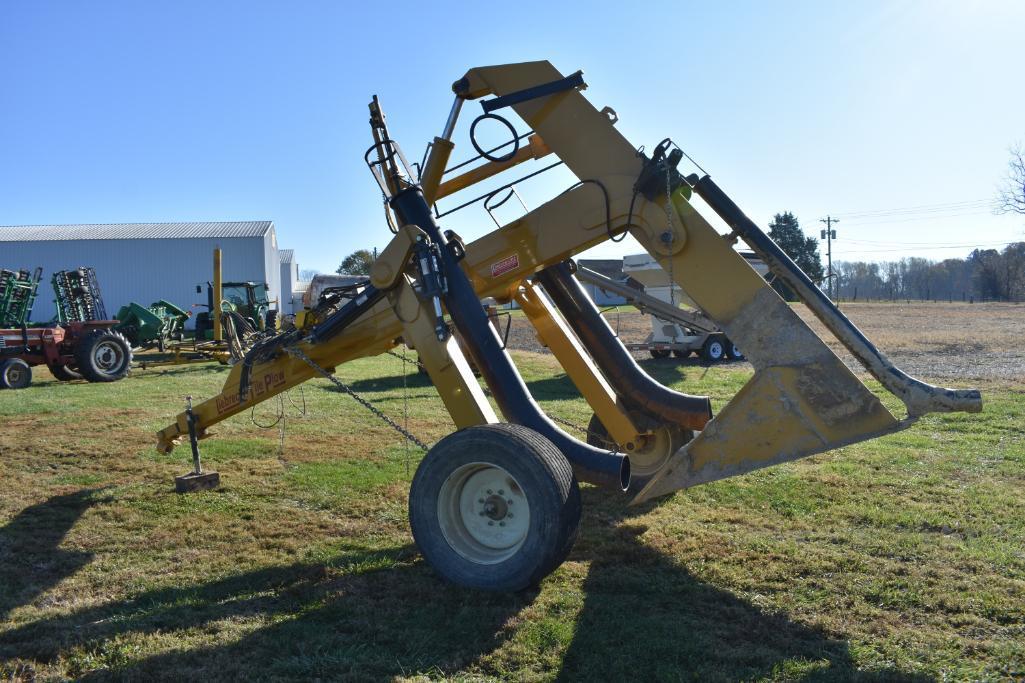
column 986, row 274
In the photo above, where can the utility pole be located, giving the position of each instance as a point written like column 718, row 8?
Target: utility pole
column 829, row 235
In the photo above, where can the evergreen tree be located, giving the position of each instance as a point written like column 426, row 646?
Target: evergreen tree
column 786, row 232
column 357, row 263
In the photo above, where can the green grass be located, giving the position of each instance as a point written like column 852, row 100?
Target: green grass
column 901, row 558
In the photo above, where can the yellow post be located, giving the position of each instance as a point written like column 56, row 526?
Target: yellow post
column 216, row 295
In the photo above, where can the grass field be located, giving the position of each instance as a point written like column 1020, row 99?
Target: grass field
column 896, row 559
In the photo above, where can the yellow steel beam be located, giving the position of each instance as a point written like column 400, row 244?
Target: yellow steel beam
column 535, row 149
column 445, row 362
column 577, row 363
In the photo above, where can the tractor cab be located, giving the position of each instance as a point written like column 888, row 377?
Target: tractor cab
column 248, row 299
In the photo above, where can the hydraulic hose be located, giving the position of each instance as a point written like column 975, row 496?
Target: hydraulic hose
column 616, row 363
column 589, row 464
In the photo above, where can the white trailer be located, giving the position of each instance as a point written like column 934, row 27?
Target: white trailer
column 674, row 329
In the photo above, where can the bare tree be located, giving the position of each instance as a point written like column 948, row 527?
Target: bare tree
column 1011, row 197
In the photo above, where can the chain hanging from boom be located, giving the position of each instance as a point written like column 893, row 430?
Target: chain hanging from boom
column 292, row 350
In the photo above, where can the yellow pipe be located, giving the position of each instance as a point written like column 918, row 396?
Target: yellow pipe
column 217, row 295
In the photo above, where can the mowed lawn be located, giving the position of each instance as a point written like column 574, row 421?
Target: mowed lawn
column 901, row 558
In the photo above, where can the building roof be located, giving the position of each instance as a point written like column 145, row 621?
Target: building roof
column 609, row 267
column 133, row 231
column 286, row 255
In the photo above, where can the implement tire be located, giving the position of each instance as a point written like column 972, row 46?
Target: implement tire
column 103, row 356
column 64, row 373
column 714, row 348
column 15, row 374
column 494, row 507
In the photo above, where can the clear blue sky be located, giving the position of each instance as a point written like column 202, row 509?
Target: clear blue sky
column 128, row 112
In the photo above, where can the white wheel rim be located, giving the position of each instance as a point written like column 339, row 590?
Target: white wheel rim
column 646, row 462
column 107, row 356
column 715, row 349
column 483, row 512
column 736, row 352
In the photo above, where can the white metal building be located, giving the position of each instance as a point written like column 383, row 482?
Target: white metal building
column 145, row 262
column 289, row 280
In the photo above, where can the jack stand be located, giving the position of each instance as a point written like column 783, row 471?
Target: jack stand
column 197, row 479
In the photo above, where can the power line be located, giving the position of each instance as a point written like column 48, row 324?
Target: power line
column 921, row 208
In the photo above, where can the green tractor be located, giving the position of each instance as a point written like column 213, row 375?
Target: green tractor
column 246, row 299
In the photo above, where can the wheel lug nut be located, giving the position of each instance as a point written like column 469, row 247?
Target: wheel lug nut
column 491, row 524
column 509, row 515
column 489, row 492
column 509, row 502
column 501, row 492
column 501, row 524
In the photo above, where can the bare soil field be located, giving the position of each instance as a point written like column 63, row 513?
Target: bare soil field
column 946, row 341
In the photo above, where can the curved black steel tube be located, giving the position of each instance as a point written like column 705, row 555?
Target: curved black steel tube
column 615, row 361
column 590, row 464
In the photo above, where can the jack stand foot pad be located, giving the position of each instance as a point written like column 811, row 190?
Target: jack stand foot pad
column 196, row 482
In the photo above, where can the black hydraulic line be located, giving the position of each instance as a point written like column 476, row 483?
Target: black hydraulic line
column 918, row 396
column 616, row 363
column 344, row 316
column 481, row 340
column 503, row 187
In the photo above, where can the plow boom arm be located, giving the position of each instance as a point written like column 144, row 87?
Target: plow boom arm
column 801, row 398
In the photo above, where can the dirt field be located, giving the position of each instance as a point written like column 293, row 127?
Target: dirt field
column 928, row 340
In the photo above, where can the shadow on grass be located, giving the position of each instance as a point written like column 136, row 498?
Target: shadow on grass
column 646, row 617
column 374, row 615
column 366, row 614
column 30, row 560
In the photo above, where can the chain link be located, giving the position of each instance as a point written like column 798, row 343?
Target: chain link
column 294, row 351
column 487, row 392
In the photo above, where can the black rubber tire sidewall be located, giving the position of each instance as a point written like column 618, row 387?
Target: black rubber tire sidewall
column 659, row 354
column 706, row 352
column 86, row 362
column 730, row 353
column 547, row 480
column 64, row 373
column 15, row 374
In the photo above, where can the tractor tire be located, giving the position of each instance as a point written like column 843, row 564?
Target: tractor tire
column 659, row 353
column 64, row 373
column 681, row 354
column 15, row 374
column 203, row 323
column 271, row 320
column 494, row 507
column 103, row 356
column 732, row 352
column 714, row 348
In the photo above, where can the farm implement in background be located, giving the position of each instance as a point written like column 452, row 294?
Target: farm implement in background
column 83, row 345
column 153, row 326
column 496, row 505
column 18, row 290
column 237, row 315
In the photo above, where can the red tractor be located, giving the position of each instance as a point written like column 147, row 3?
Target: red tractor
column 82, row 345
column 78, row 350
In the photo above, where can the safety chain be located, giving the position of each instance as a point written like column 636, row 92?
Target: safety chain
column 294, row 351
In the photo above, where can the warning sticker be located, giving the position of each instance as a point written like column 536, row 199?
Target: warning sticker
column 505, row 265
